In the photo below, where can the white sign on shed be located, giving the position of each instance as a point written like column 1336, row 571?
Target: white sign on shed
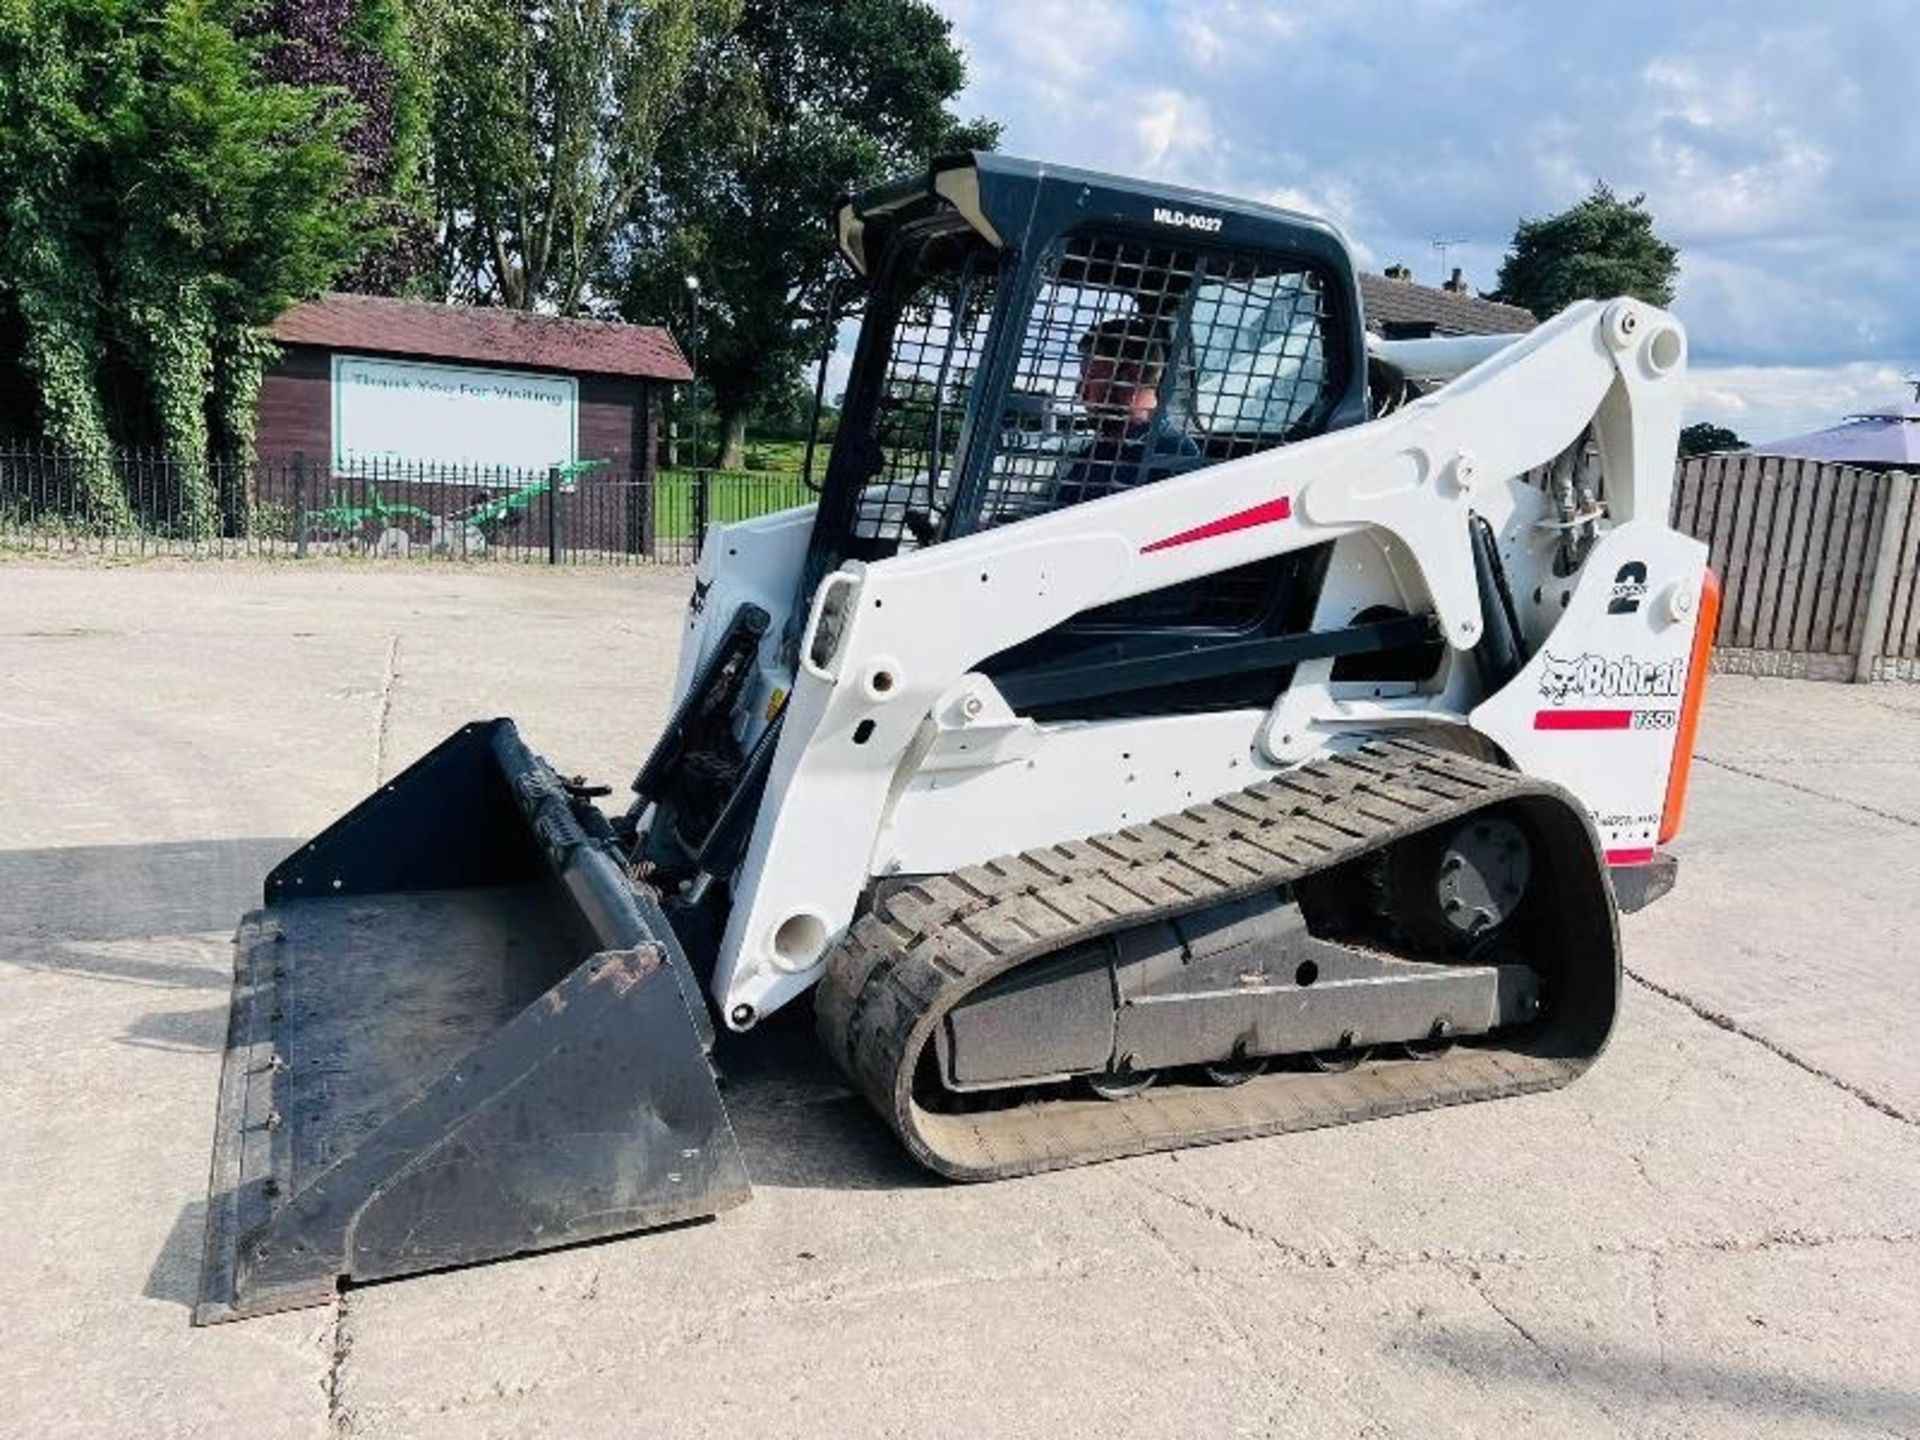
column 442, row 418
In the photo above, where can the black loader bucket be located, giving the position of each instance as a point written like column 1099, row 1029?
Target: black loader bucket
column 457, row 1033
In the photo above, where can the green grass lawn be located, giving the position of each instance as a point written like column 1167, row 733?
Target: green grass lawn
column 786, row 457
column 730, row 497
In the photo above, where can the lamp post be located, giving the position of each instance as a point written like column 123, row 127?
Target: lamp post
column 693, row 358
column 693, row 348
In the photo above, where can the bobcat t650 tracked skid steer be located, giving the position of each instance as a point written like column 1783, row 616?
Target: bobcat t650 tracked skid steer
column 1178, row 720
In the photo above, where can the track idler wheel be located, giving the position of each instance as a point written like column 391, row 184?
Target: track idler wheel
column 1454, row 887
column 1237, row 1071
column 1123, row 1083
column 1344, row 1057
column 1338, row 1062
column 1438, row 1042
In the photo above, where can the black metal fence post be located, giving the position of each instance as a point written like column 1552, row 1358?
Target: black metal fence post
column 553, row 516
column 300, row 506
column 701, row 500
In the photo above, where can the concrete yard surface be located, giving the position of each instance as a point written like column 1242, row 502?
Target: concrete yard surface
column 1715, row 1233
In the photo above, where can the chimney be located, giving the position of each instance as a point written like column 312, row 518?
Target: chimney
column 1457, row 283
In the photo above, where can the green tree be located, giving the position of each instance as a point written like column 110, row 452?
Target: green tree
column 786, row 413
column 226, row 216
column 53, row 61
column 803, row 100
column 1705, row 438
column 160, row 201
column 1599, row 248
column 367, row 54
column 545, row 124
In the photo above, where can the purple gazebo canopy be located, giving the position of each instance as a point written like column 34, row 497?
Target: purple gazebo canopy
column 1889, row 437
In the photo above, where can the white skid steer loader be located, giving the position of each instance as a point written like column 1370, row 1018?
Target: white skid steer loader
column 1178, row 720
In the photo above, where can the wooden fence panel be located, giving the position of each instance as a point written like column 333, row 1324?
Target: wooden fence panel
column 1786, row 557
column 1850, row 603
column 1814, row 560
column 1689, row 487
column 1902, row 637
column 1715, row 494
column 1769, row 528
column 1833, row 561
column 1744, row 480
column 1705, row 484
column 1810, row 556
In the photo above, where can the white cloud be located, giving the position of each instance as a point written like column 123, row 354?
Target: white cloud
column 1213, row 31
column 1050, row 62
column 1725, row 151
column 1329, row 200
column 1771, row 402
column 1778, row 152
column 1171, row 128
column 1775, row 143
column 1202, row 37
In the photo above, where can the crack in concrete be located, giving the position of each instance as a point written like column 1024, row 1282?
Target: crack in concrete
column 1195, row 1277
column 1308, row 1259
column 383, row 710
column 1473, row 1281
column 1479, row 1287
column 1726, row 1022
column 339, row 1421
column 1656, row 1294
column 1639, row 1162
column 1765, row 778
column 1372, row 1258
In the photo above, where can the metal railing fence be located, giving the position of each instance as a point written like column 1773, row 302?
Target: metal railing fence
column 130, row 502
column 1820, row 563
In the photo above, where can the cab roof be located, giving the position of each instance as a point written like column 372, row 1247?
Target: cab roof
column 1010, row 202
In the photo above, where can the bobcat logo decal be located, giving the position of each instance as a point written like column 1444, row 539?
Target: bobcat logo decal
column 1558, row 678
column 1599, row 677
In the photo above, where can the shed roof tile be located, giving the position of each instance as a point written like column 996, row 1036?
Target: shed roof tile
column 484, row 335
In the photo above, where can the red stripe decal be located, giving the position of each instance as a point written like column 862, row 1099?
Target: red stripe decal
column 1631, row 857
column 1265, row 514
column 1583, row 720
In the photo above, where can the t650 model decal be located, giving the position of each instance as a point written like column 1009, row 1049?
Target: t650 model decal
column 1605, row 719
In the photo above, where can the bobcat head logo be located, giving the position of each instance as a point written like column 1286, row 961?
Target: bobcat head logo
column 1559, row 678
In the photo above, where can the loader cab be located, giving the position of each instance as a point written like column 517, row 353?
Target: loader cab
column 984, row 279
column 993, row 285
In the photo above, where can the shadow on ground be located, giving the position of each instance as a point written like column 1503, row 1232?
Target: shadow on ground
column 175, row 1274
column 1636, row 1376
column 118, row 892
column 799, row 1124
column 148, row 916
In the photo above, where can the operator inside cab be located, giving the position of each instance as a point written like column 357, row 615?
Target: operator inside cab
column 1135, row 440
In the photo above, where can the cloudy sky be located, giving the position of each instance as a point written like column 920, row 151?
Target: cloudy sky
column 1777, row 141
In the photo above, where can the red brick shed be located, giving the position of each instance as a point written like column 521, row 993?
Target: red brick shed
column 444, row 407
column 615, row 370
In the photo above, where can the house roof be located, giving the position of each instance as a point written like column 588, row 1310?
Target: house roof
column 486, row 336
column 1403, row 302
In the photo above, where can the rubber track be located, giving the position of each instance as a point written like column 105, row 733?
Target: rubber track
column 924, row 947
